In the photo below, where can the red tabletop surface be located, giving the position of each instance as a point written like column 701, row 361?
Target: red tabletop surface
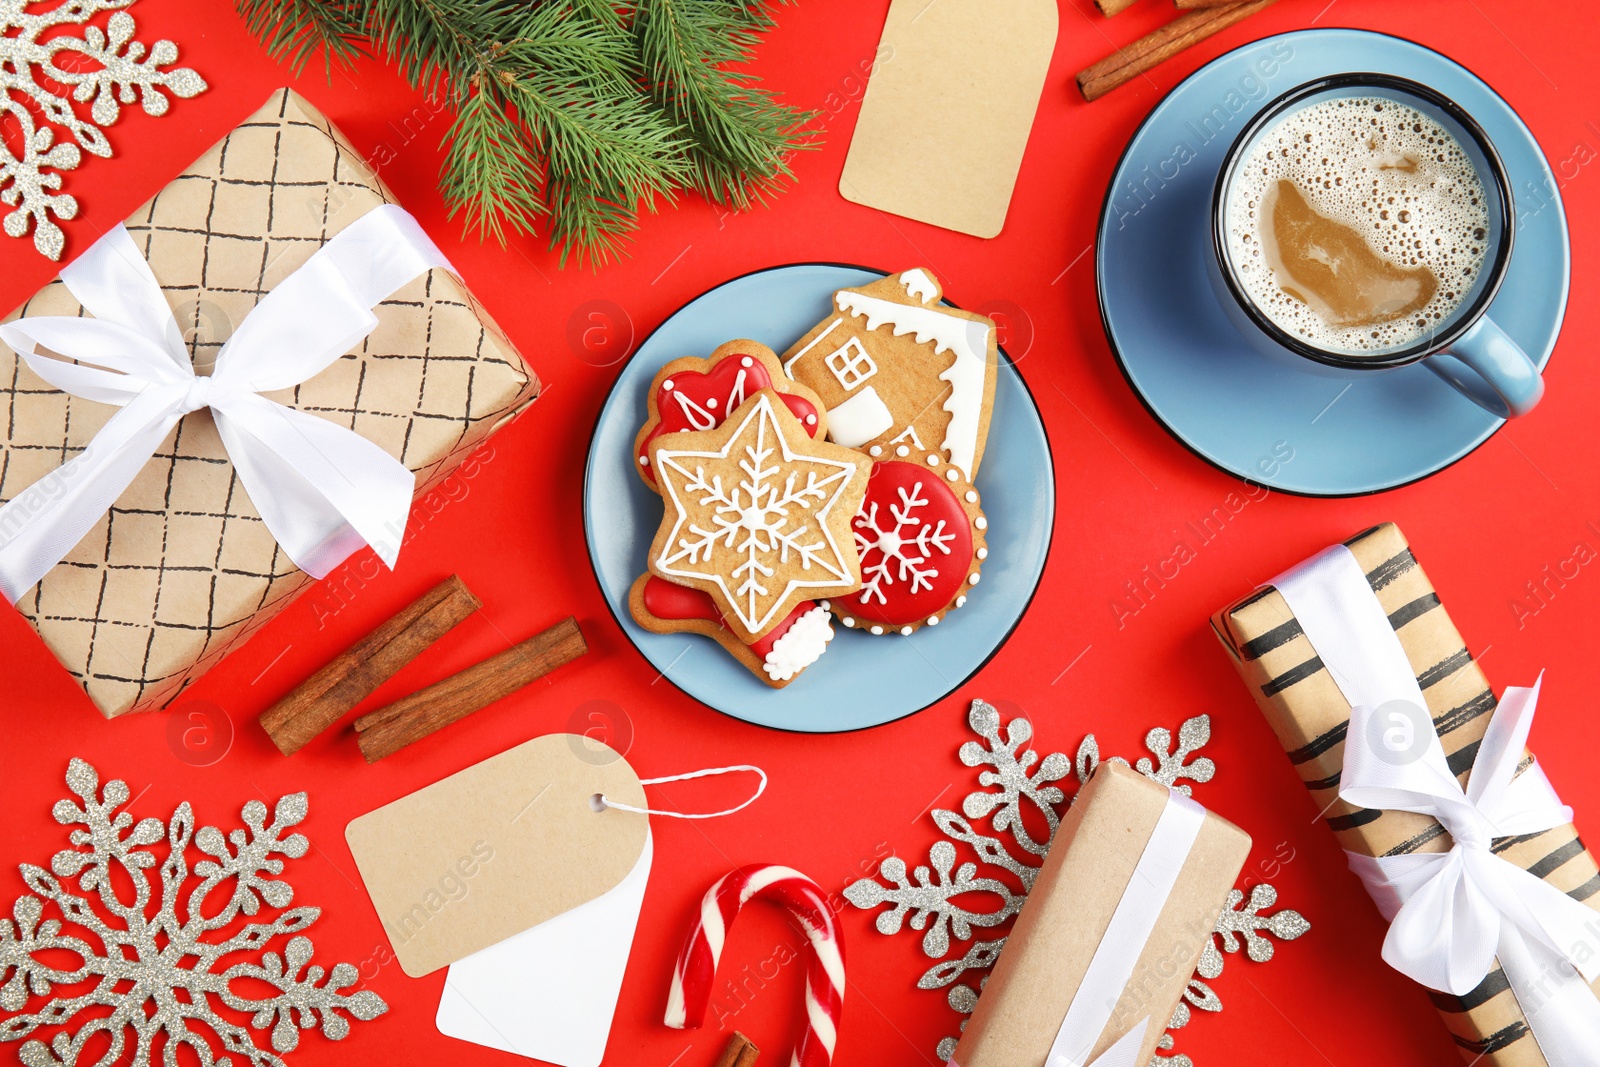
column 1501, row 533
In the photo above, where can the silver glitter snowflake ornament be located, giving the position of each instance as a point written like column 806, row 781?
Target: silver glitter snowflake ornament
column 1026, row 787
column 44, row 73
column 155, row 970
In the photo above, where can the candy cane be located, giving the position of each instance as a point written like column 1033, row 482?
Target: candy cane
column 690, row 994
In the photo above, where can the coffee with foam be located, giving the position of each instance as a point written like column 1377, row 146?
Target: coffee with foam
column 1358, row 225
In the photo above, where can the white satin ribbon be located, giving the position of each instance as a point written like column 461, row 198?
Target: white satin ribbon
column 1124, row 942
column 321, row 489
column 1452, row 913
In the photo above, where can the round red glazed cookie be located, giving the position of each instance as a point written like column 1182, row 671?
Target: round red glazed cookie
column 922, row 540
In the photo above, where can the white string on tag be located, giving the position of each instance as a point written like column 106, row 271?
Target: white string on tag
column 602, row 801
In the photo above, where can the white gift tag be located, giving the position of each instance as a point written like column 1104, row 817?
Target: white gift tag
column 549, row 993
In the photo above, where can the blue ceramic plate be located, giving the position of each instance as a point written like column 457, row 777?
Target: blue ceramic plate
column 1318, row 431
column 861, row 680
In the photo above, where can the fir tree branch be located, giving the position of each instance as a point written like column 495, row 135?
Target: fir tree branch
column 295, row 30
column 579, row 113
column 607, row 149
column 488, row 173
column 742, row 135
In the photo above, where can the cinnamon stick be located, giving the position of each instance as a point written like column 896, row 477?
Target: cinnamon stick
column 409, row 719
column 739, row 1052
column 1128, row 63
column 347, row 680
column 1113, row 7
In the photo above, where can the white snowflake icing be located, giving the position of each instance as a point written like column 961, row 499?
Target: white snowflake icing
column 899, row 556
column 773, row 510
column 119, row 70
column 158, row 964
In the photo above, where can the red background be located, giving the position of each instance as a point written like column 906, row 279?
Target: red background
column 1484, row 529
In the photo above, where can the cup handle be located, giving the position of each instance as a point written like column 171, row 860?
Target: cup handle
column 1491, row 370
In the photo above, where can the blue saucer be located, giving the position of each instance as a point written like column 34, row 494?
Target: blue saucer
column 1238, row 407
column 861, row 680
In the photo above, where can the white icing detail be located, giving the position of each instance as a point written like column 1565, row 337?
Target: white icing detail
column 933, row 620
column 859, row 419
column 875, row 451
column 849, row 622
column 919, row 286
column 877, row 629
column 736, row 395
column 763, row 522
column 644, row 461
column 711, row 402
column 698, row 417
column 788, row 364
column 961, row 601
column 851, row 365
column 667, row 385
column 827, row 605
column 902, row 451
column 952, row 474
column 967, row 338
column 933, row 460
column 746, row 361
column 973, row 580
column 972, row 496
column 909, row 432
column 981, row 523
column 800, row 647
column 983, row 553
column 905, row 631
column 905, row 549
column 811, row 420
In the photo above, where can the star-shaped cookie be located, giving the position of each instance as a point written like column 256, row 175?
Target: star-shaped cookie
column 758, row 514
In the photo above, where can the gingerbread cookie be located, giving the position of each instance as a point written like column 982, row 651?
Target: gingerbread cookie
column 922, row 540
column 758, row 515
column 692, row 394
column 892, row 362
column 777, row 659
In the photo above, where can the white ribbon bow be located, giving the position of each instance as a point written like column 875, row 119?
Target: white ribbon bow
column 1452, row 913
column 321, row 489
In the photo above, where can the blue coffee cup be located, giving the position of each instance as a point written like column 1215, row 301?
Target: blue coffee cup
column 1466, row 348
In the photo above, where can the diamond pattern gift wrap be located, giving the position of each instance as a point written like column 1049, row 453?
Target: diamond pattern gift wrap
column 182, row 569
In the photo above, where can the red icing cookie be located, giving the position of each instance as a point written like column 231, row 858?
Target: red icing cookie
column 920, row 534
column 778, row 658
column 697, row 394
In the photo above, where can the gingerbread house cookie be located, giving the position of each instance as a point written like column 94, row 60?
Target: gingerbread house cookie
column 892, row 362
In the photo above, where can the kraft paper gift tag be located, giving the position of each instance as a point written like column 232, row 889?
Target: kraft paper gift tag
column 948, row 109
column 499, row 848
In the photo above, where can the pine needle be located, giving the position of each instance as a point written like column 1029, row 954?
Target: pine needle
column 295, row 30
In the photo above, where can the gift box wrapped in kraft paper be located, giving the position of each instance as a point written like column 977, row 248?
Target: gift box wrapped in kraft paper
column 1112, row 931
column 1424, row 777
column 271, row 360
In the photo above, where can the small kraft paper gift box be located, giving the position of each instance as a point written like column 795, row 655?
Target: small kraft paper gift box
column 180, row 566
column 1395, row 732
column 1112, row 931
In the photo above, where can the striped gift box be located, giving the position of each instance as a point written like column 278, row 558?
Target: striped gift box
column 1310, row 716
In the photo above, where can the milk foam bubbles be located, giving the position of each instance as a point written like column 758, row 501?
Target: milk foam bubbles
column 1341, row 173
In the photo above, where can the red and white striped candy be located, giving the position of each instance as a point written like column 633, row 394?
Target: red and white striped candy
column 692, row 981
